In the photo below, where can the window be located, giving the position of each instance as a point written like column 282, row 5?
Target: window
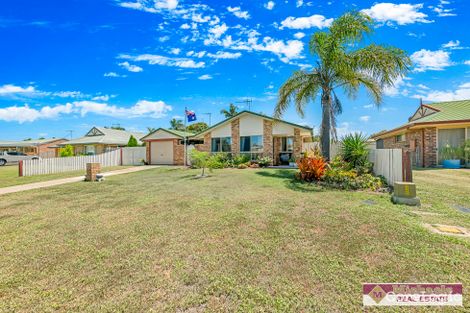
column 287, row 144
column 223, row 144
column 251, row 146
column 89, row 150
column 400, row 138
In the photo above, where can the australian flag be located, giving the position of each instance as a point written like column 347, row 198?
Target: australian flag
column 191, row 116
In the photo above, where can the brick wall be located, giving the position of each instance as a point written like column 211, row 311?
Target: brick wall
column 297, row 144
column 178, row 152
column 268, row 138
column 45, row 151
column 277, row 149
column 148, row 147
column 235, row 136
column 414, row 143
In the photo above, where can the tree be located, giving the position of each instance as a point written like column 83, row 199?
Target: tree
column 176, row 124
column 132, row 142
column 66, row 151
column 201, row 159
column 341, row 65
column 232, row 111
column 197, row 127
column 151, row 129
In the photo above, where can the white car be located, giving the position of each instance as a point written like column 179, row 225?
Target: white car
column 15, row 157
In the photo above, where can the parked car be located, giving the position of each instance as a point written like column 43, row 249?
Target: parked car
column 14, row 157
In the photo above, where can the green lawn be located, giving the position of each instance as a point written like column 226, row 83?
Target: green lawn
column 9, row 175
column 241, row 240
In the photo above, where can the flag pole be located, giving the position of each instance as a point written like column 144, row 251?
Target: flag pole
column 185, row 149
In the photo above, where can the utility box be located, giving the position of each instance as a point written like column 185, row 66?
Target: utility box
column 405, row 193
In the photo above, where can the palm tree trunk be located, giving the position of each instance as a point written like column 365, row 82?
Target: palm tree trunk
column 326, row 124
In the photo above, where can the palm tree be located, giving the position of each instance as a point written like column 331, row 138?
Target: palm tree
column 151, row 129
column 232, row 111
column 176, row 124
column 341, row 64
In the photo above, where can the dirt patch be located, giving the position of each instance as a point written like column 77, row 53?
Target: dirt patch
column 448, row 230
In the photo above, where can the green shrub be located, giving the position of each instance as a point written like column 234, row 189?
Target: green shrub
column 202, row 160
column 265, row 161
column 66, row 151
column 451, row 153
column 354, row 150
column 350, row 179
column 240, row 159
column 132, row 142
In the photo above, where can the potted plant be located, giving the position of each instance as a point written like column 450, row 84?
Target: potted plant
column 451, row 156
column 292, row 162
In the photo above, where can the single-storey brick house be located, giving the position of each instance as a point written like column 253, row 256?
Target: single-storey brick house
column 430, row 128
column 101, row 139
column 246, row 133
column 45, row 148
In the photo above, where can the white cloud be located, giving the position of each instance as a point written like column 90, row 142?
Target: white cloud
column 237, row 11
column 299, row 3
column 400, row 14
column 113, row 74
column 299, row 35
column 364, row 118
column 431, row 60
column 68, row 94
column 316, row 20
column 185, row 26
column 451, row 44
column 286, row 51
column 12, row 89
column 466, row 62
column 461, row 93
column 100, row 98
column 24, row 113
column 175, row 51
column 269, row 5
column 154, row 59
column 151, row 6
column 154, row 109
column 131, row 68
column 442, row 11
column 368, row 106
column 218, row 30
column 205, row 77
column 224, row 55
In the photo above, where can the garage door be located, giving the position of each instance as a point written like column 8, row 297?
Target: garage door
column 162, row 152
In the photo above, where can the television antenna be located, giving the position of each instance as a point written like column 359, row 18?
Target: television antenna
column 71, row 133
column 210, row 118
column 247, row 102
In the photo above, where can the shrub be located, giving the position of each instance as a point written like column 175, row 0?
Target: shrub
column 240, row 159
column 202, row 160
column 451, row 153
column 350, row 179
column 265, row 161
column 242, row 166
column 354, row 150
column 66, row 151
column 311, row 168
column 220, row 160
column 132, row 142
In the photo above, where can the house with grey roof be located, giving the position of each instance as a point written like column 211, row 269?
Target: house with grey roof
column 42, row 147
column 101, row 139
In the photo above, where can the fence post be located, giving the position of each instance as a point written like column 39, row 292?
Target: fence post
column 406, row 167
column 121, row 157
column 20, row 169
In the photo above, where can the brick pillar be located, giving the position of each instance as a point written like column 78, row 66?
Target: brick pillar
column 206, row 147
column 277, row 150
column 297, row 144
column 91, row 170
column 268, row 139
column 235, row 136
column 148, row 146
column 430, row 147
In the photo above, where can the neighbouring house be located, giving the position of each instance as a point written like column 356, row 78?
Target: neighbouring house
column 100, row 139
column 246, row 133
column 430, row 128
column 45, row 148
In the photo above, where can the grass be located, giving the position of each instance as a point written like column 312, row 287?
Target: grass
column 9, row 175
column 238, row 241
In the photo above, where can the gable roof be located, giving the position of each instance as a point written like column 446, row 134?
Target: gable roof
column 108, row 136
column 436, row 113
column 177, row 133
column 252, row 113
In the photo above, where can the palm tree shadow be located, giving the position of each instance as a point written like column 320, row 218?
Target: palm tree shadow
column 290, row 181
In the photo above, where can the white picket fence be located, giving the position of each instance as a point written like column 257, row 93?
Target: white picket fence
column 60, row 165
column 388, row 163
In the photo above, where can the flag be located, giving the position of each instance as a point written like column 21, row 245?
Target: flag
column 191, row 116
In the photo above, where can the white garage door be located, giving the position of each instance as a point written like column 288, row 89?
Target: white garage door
column 162, row 152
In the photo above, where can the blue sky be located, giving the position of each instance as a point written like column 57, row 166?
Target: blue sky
column 70, row 65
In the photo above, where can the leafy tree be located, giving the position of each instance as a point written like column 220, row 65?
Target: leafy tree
column 116, row 127
column 197, row 127
column 203, row 160
column 28, row 139
column 41, row 138
column 342, row 64
column 66, row 151
column 232, row 111
column 176, row 124
column 132, row 142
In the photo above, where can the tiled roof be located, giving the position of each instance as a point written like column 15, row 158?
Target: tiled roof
column 108, row 136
